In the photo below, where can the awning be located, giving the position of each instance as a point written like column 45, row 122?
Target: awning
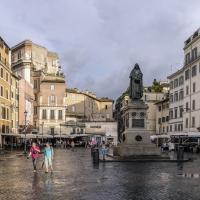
column 28, row 136
column 185, row 134
column 153, row 137
column 11, row 134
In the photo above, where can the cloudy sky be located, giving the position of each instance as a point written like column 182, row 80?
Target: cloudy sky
column 99, row 41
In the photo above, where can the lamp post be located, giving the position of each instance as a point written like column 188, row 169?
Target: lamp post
column 42, row 131
column 60, row 134
column 25, row 115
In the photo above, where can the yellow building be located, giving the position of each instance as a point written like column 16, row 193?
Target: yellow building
column 86, row 106
column 5, row 101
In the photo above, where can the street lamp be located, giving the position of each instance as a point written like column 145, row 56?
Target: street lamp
column 60, row 134
column 42, row 131
column 25, row 115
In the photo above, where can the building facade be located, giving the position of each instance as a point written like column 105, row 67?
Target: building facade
column 162, row 116
column 184, row 89
column 87, row 106
column 5, row 99
column 14, row 103
column 39, row 71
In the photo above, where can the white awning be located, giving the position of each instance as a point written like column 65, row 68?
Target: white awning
column 186, row 134
column 153, row 137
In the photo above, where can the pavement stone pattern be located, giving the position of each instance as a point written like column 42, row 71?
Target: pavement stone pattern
column 76, row 178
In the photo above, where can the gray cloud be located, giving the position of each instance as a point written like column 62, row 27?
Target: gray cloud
column 99, row 41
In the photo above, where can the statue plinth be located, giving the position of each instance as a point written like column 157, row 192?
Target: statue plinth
column 136, row 137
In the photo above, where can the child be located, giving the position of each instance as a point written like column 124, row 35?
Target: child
column 48, row 157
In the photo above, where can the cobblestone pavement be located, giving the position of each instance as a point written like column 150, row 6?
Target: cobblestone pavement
column 76, row 178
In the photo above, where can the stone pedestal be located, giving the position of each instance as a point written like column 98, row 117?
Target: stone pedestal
column 136, row 138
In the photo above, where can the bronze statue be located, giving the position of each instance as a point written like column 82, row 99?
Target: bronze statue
column 136, row 83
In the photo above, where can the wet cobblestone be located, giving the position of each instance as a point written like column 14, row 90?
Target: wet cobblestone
column 76, row 178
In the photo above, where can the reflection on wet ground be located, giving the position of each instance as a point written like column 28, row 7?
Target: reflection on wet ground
column 76, row 178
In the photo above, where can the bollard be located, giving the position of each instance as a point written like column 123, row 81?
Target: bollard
column 180, row 153
column 95, row 155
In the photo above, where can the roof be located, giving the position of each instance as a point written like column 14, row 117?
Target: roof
column 175, row 73
column 1, row 39
column 53, row 79
column 162, row 101
column 75, row 90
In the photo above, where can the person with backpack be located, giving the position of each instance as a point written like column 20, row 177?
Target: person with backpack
column 48, row 157
column 34, row 154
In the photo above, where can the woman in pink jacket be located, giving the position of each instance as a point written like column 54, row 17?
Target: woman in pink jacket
column 34, row 154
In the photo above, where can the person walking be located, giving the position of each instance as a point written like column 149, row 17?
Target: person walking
column 34, row 154
column 48, row 157
column 103, row 150
column 72, row 145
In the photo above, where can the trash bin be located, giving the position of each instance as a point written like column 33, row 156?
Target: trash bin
column 180, row 153
column 95, row 155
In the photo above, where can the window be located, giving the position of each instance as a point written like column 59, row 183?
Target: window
column 187, row 74
column 186, row 106
column 7, row 114
column 12, row 94
column 194, row 70
column 186, row 123
column 52, row 114
column 163, row 119
column 171, row 98
column 194, row 87
column 7, row 97
column 52, row 99
column 187, row 58
column 44, row 114
column 1, row 91
column 35, row 84
column 181, row 94
column 52, row 87
column 159, row 108
column 60, row 115
column 187, row 90
column 181, row 111
column 175, row 113
column 6, row 76
column 193, row 122
column 170, row 128
column 35, row 110
column 19, row 55
column 106, row 107
column 1, row 72
column 193, row 104
column 194, row 53
column 171, row 114
column 159, row 120
column 175, row 83
column 171, row 85
column 163, row 129
column 175, row 128
column 167, row 118
column 3, row 113
column 181, row 80
column 176, row 96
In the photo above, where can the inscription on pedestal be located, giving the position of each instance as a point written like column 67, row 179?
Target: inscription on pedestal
column 137, row 123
